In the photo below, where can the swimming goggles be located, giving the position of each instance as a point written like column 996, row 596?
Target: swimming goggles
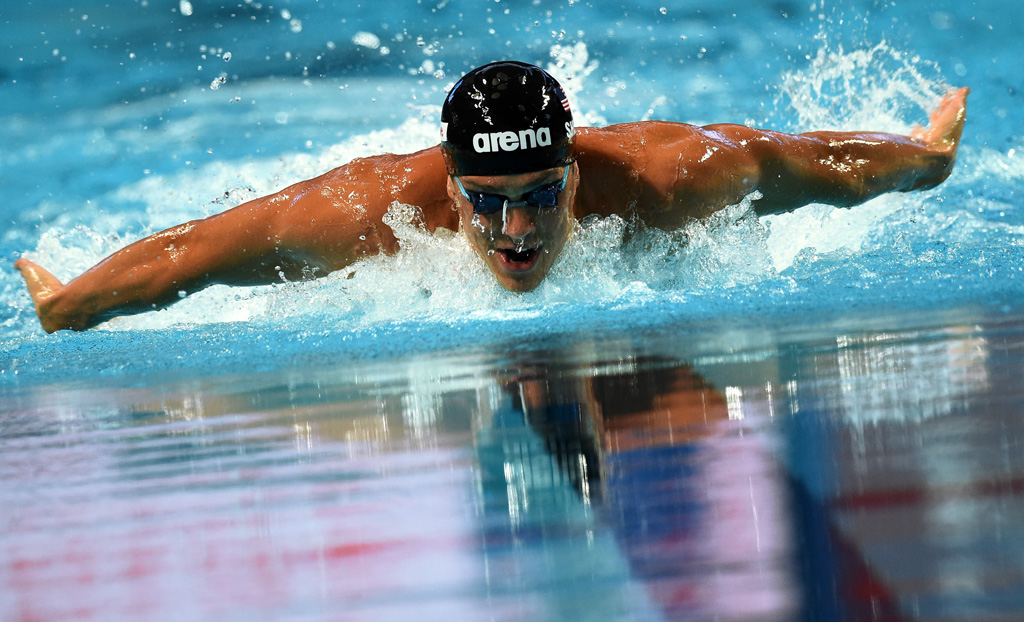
column 545, row 196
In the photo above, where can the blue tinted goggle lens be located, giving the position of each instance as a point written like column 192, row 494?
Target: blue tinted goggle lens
column 545, row 196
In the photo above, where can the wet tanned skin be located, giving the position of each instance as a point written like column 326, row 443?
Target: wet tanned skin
column 659, row 173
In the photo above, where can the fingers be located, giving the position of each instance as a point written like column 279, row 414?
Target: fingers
column 959, row 96
column 40, row 282
column 50, row 300
column 950, row 117
column 946, row 121
column 41, row 286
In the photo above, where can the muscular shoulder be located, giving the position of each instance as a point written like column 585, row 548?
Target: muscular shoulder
column 367, row 187
column 653, row 135
column 338, row 216
column 663, row 172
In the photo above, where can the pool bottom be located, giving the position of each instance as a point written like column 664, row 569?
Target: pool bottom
column 839, row 472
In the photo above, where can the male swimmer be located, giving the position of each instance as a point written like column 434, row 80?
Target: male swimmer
column 513, row 173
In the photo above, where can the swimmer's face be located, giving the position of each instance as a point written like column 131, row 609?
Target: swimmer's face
column 520, row 245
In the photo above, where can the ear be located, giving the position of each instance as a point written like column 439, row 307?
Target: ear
column 453, row 191
column 574, row 182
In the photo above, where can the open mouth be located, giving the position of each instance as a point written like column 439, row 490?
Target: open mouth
column 515, row 261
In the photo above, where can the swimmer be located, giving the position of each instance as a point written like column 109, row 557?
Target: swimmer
column 513, row 173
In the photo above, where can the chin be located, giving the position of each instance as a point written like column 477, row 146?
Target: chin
column 520, row 285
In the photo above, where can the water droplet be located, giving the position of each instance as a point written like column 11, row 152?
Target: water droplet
column 366, row 40
column 185, row 7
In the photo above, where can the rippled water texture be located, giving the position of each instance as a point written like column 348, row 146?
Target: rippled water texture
column 766, row 475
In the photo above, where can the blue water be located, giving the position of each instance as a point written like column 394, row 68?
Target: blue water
column 113, row 131
column 249, row 451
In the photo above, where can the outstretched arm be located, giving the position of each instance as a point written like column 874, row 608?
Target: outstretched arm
column 308, row 229
column 847, row 168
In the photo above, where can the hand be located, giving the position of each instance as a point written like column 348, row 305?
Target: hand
column 946, row 123
column 43, row 287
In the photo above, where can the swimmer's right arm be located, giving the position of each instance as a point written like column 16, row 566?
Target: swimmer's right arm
column 308, row 229
column 235, row 247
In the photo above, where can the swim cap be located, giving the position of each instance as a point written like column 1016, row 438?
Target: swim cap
column 506, row 118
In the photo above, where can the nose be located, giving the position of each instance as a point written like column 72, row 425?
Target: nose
column 518, row 222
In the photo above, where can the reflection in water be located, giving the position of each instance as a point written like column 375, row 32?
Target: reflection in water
column 640, row 498
column 908, row 477
column 884, row 375
column 597, row 482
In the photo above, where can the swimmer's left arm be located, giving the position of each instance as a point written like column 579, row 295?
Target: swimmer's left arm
column 845, row 168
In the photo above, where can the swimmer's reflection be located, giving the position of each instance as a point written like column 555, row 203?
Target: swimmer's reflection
column 585, row 415
column 590, row 485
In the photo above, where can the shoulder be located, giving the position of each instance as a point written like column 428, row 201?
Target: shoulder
column 665, row 172
column 644, row 142
column 631, row 135
column 365, row 188
column 399, row 169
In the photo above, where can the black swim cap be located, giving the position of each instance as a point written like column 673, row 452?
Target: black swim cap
column 506, row 118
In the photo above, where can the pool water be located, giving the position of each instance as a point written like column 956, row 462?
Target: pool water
column 826, row 473
column 805, row 417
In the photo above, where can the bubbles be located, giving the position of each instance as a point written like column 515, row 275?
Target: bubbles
column 366, row 40
column 185, row 7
